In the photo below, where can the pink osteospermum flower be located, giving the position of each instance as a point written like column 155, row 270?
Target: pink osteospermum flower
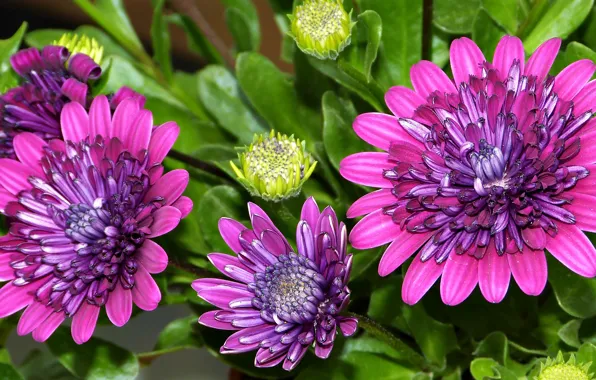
column 82, row 215
column 481, row 174
column 282, row 301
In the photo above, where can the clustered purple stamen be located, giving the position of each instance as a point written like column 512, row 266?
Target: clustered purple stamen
column 495, row 165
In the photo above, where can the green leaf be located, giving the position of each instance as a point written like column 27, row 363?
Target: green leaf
column 8, row 372
column 196, row 40
column 338, row 115
column 569, row 333
column 179, row 333
column 504, row 12
column 43, row 37
column 482, row 368
column 364, row 365
column 218, row 202
column 455, row 17
column 94, row 360
column 371, row 22
column 110, row 47
column 274, row 97
column 243, row 22
column 160, row 36
column 41, row 365
column 401, row 39
column 219, row 93
column 575, row 294
column 9, row 46
column 587, row 353
column 561, row 18
column 573, row 52
column 440, row 50
column 486, row 33
column 494, row 346
column 435, row 339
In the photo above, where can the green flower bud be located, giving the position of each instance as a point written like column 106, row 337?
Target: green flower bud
column 81, row 44
column 321, row 28
column 558, row 369
column 274, row 167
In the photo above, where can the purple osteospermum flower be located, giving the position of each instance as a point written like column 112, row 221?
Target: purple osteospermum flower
column 483, row 174
column 282, row 302
column 83, row 213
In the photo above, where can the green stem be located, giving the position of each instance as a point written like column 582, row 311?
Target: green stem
column 381, row 333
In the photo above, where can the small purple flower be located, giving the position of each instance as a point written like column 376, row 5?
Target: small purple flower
column 282, row 301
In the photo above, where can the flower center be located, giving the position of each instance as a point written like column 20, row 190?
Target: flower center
column 320, row 19
column 563, row 372
column 489, row 166
column 272, row 158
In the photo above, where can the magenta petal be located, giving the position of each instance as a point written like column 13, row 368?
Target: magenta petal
column 494, row 275
column 152, row 257
column 32, row 317
column 573, row 78
column 348, row 325
column 233, row 346
column 466, row 59
column 459, row 278
column 405, row 245
column 83, row 322
column 119, row 305
column 323, row 352
column 184, row 204
column 15, row 298
column 139, row 134
column 124, row 118
column 585, row 100
column 30, row 149
column 529, row 270
column 572, row 248
column 14, row 176
column 100, row 119
column 208, row 283
column 419, row 278
column 366, row 169
column 74, row 122
column 208, row 319
column 380, row 130
column 162, row 140
column 230, row 230
column 48, row 326
column 170, row 186
column 231, row 267
column 371, row 202
column 403, row 101
column 221, row 295
column 6, row 271
column 5, row 199
column 165, row 220
column 583, row 208
column 374, row 230
column 428, row 78
column 508, row 49
column 75, row 90
column 540, row 62
column 310, row 213
column 145, row 293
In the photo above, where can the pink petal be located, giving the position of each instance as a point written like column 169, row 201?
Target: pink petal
column 535, row 238
column 6, row 271
column 152, row 257
column 184, row 204
column 459, row 278
column 209, row 283
column 75, row 91
column 221, row 296
column 573, row 249
column 585, row 100
column 380, row 130
column 139, row 133
column 48, row 326
column 5, row 199
column 310, row 213
column 494, row 275
column 119, row 305
column 165, row 220
column 508, row 49
column 583, row 208
column 29, row 150
column 100, row 119
column 466, row 59
column 230, row 230
column 348, row 325
column 253, row 212
column 83, row 322
column 231, row 267
column 405, row 245
column 15, row 298
column 124, row 119
column 570, row 81
column 541, row 61
column 14, row 175
column 32, row 317
column 371, row 202
column 145, row 293
column 529, row 270
column 170, row 186
column 366, row 169
column 402, row 101
column 74, row 122
column 374, row 230
column 162, row 140
column 428, row 78
column 208, row 319
column 419, row 278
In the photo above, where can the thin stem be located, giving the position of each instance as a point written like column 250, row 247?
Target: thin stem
column 427, row 29
column 381, row 333
column 190, row 9
column 199, row 164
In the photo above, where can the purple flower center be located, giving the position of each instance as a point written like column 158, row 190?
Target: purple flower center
column 493, row 165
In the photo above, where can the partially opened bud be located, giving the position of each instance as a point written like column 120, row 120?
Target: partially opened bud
column 558, row 369
column 81, row 44
column 274, row 167
column 321, row 28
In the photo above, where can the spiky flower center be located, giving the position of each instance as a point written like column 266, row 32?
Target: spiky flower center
column 81, row 44
column 563, row 371
column 272, row 158
column 321, row 19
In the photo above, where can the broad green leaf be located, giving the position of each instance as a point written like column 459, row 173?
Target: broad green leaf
column 97, row 359
column 8, row 372
column 587, row 353
column 401, row 40
column 482, row 368
column 504, row 12
column 569, row 333
column 371, row 22
column 434, row 338
column 217, row 153
column 196, row 40
column 575, row 294
column 219, row 93
column 274, row 97
column 561, row 18
column 455, row 17
column 338, row 115
column 573, row 52
column 8, row 80
column 179, row 333
column 43, row 37
column 486, row 33
column 589, row 35
column 364, row 366
column 243, row 23
column 218, row 202
column 110, row 47
column 381, row 298
column 9, row 46
column 494, row 346
column 160, row 37
column 42, row 365
column 440, row 49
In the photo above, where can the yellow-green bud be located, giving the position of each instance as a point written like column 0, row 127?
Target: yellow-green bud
column 558, row 369
column 81, row 44
column 321, row 28
column 274, row 166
